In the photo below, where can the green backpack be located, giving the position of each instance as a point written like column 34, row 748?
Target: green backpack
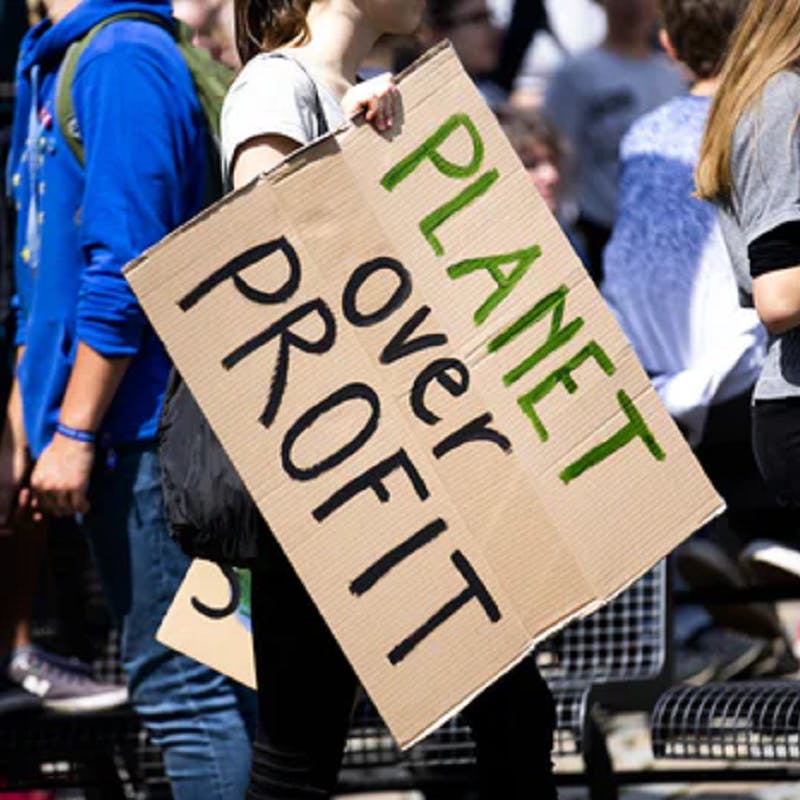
column 211, row 81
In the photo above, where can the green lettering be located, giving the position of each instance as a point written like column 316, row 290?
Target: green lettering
column 505, row 283
column 563, row 375
column 557, row 337
column 430, row 150
column 452, row 207
column 636, row 428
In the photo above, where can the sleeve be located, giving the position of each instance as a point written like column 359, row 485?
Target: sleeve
column 271, row 96
column 136, row 119
column 779, row 248
column 765, row 162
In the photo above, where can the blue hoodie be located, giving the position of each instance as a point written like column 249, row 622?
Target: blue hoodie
column 143, row 132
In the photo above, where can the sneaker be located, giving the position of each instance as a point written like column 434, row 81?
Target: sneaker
column 733, row 652
column 64, row 685
column 13, row 699
column 705, row 565
column 693, row 667
column 779, row 661
column 772, row 563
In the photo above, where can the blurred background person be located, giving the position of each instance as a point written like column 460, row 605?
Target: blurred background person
column 595, row 97
column 469, row 25
column 544, row 155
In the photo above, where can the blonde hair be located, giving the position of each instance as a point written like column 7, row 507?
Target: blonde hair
column 766, row 42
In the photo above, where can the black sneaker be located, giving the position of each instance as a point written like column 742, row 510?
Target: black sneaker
column 705, row 565
column 733, row 652
column 694, row 667
column 779, row 661
column 64, row 685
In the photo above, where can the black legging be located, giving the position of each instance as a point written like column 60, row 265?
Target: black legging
column 307, row 690
column 776, row 442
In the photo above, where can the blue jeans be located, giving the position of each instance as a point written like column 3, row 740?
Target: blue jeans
column 202, row 720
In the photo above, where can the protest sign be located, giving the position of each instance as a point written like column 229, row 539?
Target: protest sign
column 425, row 395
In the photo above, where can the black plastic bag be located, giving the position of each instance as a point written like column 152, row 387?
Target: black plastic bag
column 210, row 512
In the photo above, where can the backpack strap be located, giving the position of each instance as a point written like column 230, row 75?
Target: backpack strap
column 65, row 108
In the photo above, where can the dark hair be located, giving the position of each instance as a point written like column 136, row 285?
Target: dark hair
column 527, row 129
column 267, row 24
column 439, row 13
column 700, row 31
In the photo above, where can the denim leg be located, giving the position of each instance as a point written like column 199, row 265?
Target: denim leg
column 202, row 720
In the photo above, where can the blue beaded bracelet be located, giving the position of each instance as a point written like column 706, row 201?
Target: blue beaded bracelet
column 88, row 437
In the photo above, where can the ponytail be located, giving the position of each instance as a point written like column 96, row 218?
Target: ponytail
column 263, row 25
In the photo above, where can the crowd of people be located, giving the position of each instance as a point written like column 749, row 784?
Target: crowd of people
column 662, row 134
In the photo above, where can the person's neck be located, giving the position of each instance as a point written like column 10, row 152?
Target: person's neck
column 705, row 87
column 341, row 38
column 626, row 42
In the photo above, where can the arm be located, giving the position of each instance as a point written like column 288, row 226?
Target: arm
column 378, row 98
column 138, row 144
column 777, row 299
column 60, row 480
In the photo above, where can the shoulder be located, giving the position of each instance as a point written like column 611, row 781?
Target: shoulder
column 774, row 112
column 782, row 87
column 672, row 130
column 579, row 65
column 129, row 38
column 271, row 74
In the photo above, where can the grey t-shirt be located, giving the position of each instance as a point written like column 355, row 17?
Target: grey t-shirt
column 765, row 167
column 593, row 99
column 275, row 95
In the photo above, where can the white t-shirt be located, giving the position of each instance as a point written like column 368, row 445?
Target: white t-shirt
column 275, row 95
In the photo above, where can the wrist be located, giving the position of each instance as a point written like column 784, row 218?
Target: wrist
column 76, row 434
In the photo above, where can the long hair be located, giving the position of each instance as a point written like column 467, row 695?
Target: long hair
column 263, row 25
column 766, row 42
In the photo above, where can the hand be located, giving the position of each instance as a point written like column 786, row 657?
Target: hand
column 379, row 97
column 60, row 479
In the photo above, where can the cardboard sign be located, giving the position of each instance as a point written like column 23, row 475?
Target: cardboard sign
column 425, row 395
column 209, row 620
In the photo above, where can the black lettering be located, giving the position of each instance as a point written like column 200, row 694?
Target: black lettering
column 476, row 590
column 439, row 371
column 288, row 339
column 357, row 280
column 477, row 430
column 352, row 391
column 373, row 479
column 241, row 263
column 233, row 602
column 364, row 582
column 400, row 346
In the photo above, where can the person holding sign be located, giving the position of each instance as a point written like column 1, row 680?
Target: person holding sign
column 749, row 167
column 299, row 81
